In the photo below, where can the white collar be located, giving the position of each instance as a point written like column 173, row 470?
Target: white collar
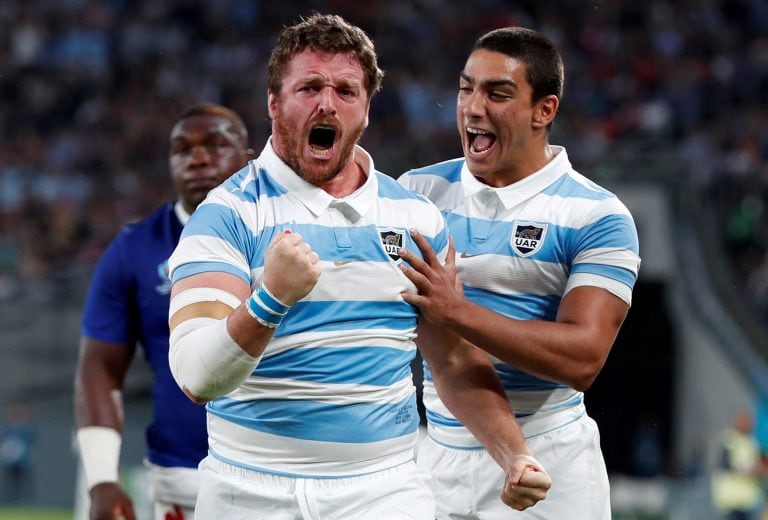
column 317, row 200
column 519, row 191
column 181, row 213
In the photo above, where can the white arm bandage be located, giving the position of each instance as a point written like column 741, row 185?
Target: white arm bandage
column 203, row 357
column 100, row 454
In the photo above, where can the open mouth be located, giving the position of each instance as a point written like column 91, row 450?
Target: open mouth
column 321, row 138
column 480, row 140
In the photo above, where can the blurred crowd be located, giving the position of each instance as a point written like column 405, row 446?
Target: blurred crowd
column 90, row 88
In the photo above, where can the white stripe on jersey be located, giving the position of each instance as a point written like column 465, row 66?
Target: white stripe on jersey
column 263, row 388
column 368, row 337
column 260, row 451
column 505, row 275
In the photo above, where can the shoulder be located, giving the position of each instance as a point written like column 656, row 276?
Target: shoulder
column 147, row 226
column 390, row 188
column 449, row 170
column 576, row 186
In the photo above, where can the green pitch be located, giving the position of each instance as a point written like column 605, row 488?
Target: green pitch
column 34, row 513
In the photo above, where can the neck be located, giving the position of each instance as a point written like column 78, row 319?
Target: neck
column 349, row 179
column 525, row 166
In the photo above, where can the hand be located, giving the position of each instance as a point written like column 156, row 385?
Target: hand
column 527, row 483
column 291, row 268
column 109, row 502
column 440, row 292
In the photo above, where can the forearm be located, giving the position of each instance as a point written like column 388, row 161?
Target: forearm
column 550, row 350
column 99, row 376
column 207, row 362
column 474, row 395
column 216, row 341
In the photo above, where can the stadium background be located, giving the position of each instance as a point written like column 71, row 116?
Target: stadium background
column 665, row 104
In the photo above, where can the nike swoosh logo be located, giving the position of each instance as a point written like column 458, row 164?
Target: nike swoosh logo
column 345, row 262
column 467, row 255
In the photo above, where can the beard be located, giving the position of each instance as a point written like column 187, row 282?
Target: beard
column 315, row 171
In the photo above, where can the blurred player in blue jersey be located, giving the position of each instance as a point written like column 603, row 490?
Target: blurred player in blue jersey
column 287, row 318
column 127, row 303
column 547, row 260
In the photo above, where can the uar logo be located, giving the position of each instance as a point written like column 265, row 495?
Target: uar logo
column 527, row 237
column 392, row 240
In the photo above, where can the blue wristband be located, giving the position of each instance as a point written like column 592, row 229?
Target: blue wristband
column 272, row 303
column 265, row 308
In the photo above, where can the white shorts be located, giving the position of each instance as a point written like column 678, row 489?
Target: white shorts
column 231, row 493
column 172, row 490
column 467, row 482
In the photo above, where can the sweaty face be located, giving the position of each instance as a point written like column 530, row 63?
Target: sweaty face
column 205, row 150
column 319, row 114
column 494, row 114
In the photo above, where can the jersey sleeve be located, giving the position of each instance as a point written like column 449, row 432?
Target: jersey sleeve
column 216, row 239
column 108, row 311
column 607, row 252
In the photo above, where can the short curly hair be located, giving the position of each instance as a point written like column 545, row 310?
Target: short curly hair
column 329, row 34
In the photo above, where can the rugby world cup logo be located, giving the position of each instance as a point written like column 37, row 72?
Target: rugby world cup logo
column 527, row 237
column 392, row 240
column 163, row 273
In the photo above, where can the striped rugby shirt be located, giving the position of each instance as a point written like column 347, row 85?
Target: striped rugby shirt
column 333, row 394
column 519, row 249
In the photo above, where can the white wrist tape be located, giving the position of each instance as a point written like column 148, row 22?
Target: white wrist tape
column 205, row 360
column 100, row 454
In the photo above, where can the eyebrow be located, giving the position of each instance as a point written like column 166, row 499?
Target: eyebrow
column 491, row 83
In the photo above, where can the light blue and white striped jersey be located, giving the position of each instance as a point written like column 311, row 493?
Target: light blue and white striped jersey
column 519, row 250
column 333, row 394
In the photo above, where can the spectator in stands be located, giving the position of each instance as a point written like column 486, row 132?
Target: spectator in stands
column 16, row 440
column 736, row 490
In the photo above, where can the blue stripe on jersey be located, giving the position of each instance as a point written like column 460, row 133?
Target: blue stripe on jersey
column 442, row 420
column 380, row 366
column 365, row 240
column 512, row 378
column 515, row 379
column 611, row 231
column 219, row 221
column 449, row 170
column 318, row 316
column 390, row 189
column 186, row 270
column 518, row 306
column 267, row 185
column 450, row 422
column 259, row 185
column 319, row 421
column 567, row 187
column 608, row 232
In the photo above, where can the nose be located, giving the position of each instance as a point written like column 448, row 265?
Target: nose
column 326, row 101
column 199, row 154
column 472, row 105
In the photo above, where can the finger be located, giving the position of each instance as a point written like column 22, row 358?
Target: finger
column 534, row 478
column 426, row 250
column 413, row 259
column 293, row 238
column 419, row 279
column 450, row 259
column 514, row 475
